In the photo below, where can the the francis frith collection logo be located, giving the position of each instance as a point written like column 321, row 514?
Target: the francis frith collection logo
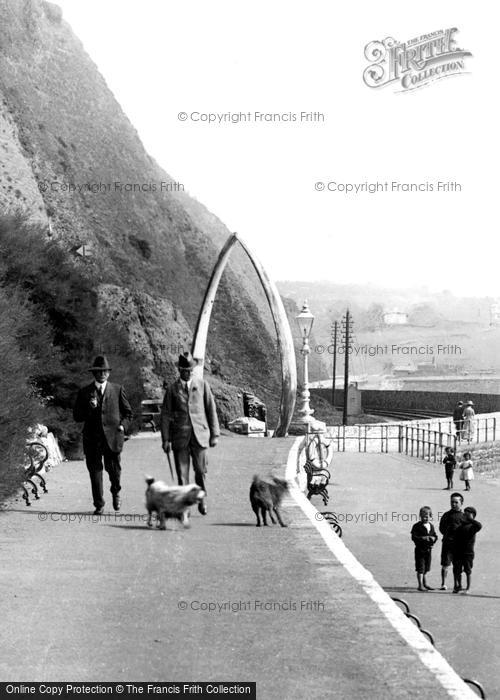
column 414, row 63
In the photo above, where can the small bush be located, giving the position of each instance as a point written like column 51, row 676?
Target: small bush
column 20, row 406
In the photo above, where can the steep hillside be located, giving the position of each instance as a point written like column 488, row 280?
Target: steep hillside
column 70, row 159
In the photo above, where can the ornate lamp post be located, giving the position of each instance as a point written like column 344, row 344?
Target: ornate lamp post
column 305, row 423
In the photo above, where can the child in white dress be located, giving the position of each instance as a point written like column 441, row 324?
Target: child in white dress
column 467, row 473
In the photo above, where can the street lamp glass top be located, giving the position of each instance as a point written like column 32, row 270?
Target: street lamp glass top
column 305, row 321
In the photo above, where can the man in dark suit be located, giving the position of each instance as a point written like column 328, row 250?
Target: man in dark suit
column 106, row 413
column 189, row 424
column 458, row 418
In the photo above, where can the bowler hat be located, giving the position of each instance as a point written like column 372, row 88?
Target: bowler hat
column 186, row 361
column 100, row 363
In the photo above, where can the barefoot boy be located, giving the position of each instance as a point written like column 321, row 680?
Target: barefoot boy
column 424, row 536
column 463, row 548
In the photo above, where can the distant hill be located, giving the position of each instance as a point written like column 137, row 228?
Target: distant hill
column 331, row 298
column 434, row 320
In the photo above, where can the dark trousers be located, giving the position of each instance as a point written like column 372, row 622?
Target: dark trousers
column 95, row 453
column 182, row 458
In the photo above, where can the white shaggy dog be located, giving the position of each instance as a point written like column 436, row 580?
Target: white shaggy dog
column 171, row 501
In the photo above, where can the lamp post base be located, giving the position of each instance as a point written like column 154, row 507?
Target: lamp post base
column 302, row 427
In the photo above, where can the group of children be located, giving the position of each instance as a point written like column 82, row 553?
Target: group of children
column 465, row 466
column 459, row 535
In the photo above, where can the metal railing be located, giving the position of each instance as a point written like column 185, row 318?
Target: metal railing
column 423, row 443
column 380, row 437
column 422, row 439
column 483, row 428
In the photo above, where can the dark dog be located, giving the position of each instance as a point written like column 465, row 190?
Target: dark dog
column 171, row 501
column 265, row 497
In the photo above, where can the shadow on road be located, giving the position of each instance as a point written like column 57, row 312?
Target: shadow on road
column 234, row 524
column 400, row 589
column 50, row 512
column 144, row 528
column 410, row 589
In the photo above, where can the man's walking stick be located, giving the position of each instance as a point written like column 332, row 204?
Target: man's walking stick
column 170, row 465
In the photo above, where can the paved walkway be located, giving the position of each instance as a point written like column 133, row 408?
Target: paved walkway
column 83, row 598
column 377, row 498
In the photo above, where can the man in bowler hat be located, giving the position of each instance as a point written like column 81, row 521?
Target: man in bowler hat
column 189, row 424
column 106, row 413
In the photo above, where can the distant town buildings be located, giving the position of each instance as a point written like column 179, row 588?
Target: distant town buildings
column 404, row 370
column 495, row 314
column 395, row 318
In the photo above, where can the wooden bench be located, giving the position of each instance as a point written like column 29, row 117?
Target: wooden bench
column 316, row 468
column 150, row 413
column 332, row 520
column 318, row 479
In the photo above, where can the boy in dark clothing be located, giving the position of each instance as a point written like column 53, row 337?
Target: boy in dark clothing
column 464, row 539
column 450, row 463
column 447, row 526
column 424, row 536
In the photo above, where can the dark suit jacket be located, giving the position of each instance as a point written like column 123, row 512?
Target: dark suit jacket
column 105, row 418
column 449, row 523
column 458, row 413
column 419, row 536
column 183, row 415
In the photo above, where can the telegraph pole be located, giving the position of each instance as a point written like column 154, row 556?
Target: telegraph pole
column 334, row 331
column 346, row 338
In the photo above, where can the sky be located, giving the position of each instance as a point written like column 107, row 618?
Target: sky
column 259, row 175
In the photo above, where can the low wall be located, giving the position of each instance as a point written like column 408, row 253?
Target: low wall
column 419, row 400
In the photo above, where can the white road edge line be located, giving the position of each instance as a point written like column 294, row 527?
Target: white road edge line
column 430, row 657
